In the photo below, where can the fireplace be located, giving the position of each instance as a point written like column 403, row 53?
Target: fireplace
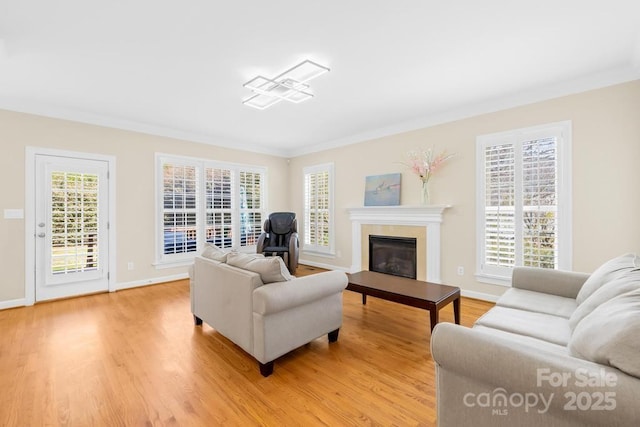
column 420, row 222
column 393, row 255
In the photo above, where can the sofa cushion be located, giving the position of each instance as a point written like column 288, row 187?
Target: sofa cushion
column 538, row 344
column 626, row 282
column 610, row 334
column 537, row 302
column 270, row 269
column 554, row 329
column 607, row 272
column 215, row 253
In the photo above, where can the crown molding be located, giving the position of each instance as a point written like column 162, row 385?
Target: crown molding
column 62, row 113
column 594, row 81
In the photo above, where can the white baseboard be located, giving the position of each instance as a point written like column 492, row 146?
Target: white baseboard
column 479, row 295
column 154, row 281
column 22, row 302
column 13, row 303
column 322, row 265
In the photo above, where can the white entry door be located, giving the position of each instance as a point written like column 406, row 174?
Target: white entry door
column 71, row 230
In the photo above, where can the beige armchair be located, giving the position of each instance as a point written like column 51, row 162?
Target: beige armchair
column 266, row 321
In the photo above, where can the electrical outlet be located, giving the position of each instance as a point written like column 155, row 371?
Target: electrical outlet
column 460, row 270
column 130, row 265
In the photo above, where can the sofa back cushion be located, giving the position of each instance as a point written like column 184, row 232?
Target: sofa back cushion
column 607, row 272
column 610, row 334
column 213, row 252
column 270, row 269
column 626, row 282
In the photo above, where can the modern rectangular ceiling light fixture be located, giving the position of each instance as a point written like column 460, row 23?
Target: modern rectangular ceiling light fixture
column 288, row 86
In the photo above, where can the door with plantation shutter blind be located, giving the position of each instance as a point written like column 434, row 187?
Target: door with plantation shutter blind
column 71, row 231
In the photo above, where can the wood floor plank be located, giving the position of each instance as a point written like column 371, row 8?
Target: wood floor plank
column 134, row 358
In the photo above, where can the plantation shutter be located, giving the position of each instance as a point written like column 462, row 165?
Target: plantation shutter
column 203, row 202
column 518, row 200
column 219, row 214
column 179, row 208
column 317, row 210
column 539, row 218
column 250, row 207
column 74, row 222
column 500, row 199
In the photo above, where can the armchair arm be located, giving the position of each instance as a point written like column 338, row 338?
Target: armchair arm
column 276, row 297
column 555, row 282
column 470, row 363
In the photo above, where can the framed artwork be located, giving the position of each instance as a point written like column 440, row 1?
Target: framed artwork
column 382, row 190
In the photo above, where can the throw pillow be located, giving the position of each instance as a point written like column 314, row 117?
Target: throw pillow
column 605, row 273
column 244, row 255
column 626, row 282
column 610, row 334
column 213, row 252
column 270, row 269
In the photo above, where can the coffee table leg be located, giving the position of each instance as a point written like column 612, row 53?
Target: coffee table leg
column 456, row 310
column 364, row 298
column 433, row 313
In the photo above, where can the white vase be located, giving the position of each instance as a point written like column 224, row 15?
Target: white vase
column 425, row 192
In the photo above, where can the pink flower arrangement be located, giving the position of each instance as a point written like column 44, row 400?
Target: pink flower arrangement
column 424, row 163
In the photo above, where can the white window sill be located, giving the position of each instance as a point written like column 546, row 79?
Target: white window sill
column 319, row 254
column 493, row 280
column 184, row 262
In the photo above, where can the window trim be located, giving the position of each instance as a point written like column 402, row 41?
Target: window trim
column 316, row 250
column 163, row 260
column 560, row 129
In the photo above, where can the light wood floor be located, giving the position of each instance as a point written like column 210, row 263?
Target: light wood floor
column 134, row 358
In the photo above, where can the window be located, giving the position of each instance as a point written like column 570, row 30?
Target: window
column 318, row 209
column 74, row 222
column 523, row 204
column 206, row 201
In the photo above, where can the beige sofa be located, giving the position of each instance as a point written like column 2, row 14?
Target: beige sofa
column 558, row 349
column 265, row 320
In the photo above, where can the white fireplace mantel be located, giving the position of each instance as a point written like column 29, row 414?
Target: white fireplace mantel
column 429, row 216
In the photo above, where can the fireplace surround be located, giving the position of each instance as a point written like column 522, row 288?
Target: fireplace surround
column 422, row 222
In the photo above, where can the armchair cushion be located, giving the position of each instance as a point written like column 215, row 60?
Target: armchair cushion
column 282, row 296
column 270, row 269
column 610, row 335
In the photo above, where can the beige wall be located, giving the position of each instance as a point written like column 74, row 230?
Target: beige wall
column 606, row 175
column 606, row 205
column 135, row 193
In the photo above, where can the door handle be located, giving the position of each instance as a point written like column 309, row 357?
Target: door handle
column 41, row 234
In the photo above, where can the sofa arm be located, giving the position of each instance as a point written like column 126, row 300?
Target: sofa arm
column 280, row 296
column 555, row 282
column 473, row 366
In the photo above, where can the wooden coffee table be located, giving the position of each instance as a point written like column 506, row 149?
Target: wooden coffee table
column 415, row 293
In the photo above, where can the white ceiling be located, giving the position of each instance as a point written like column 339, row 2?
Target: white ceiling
column 177, row 68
